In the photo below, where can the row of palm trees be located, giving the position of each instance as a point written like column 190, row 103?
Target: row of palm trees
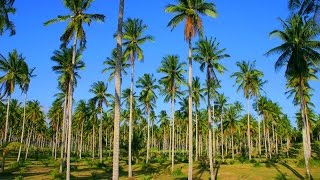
column 299, row 53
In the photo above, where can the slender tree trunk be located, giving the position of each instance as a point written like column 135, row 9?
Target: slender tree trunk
column 248, row 130
column 70, row 97
column 259, row 137
column 63, row 134
column 172, row 143
column 305, row 134
column 81, row 135
column 7, row 119
column 222, row 139
column 23, row 123
column 148, row 138
column 209, row 127
column 115, row 168
column 131, row 117
column 197, row 135
column 232, row 144
column 28, row 145
column 93, row 142
column 100, row 134
column 190, row 113
column 213, row 133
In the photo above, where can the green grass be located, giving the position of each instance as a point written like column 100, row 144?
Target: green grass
column 87, row 168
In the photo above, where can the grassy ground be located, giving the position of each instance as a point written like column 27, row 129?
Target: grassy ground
column 88, row 169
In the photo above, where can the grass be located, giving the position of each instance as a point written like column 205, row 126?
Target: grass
column 88, row 169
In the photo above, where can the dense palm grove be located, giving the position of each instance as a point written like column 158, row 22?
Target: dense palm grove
column 125, row 125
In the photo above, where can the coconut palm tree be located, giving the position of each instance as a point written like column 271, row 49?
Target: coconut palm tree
column 14, row 71
column 231, row 121
column 147, row 97
column 65, row 69
column 117, row 94
column 110, row 62
column 24, row 86
column 6, row 8
column 99, row 89
column 173, row 71
column 250, row 82
column 307, row 8
column 221, row 108
column 81, row 115
column 190, row 11
column 197, row 95
column 133, row 37
column 299, row 53
column 76, row 32
column 208, row 54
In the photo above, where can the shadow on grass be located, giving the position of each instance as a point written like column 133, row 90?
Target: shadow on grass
column 296, row 173
column 203, row 168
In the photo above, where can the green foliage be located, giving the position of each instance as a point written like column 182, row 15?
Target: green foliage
column 281, row 176
column 147, row 177
column 56, row 175
column 19, row 178
column 257, row 164
column 177, row 173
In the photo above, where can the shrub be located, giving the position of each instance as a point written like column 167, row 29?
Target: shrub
column 177, row 173
column 281, row 176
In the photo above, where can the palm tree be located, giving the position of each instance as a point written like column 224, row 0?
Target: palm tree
column 133, row 39
column 249, row 80
column 299, row 53
column 164, row 124
column 208, row 54
column 231, row 122
column 221, row 103
column 24, row 86
column 14, row 71
column 110, row 62
column 173, row 71
column 99, row 89
column 307, row 8
column 76, row 31
column 6, row 8
column 147, row 97
column 190, row 11
column 197, row 95
column 65, row 69
column 117, row 94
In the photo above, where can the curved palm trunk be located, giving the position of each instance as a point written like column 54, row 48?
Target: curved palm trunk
column 23, row 123
column 210, row 127
column 70, row 97
column 7, row 120
column 172, row 143
column 100, row 134
column 131, row 117
column 115, row 167
column 63, row 135
column 305, row 135
column 190, row 113
column 248, row 130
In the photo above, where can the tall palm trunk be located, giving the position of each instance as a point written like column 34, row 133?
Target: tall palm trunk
column 7, row 119
column 115, row 167
column 190, row 112
column 23, row 123
column 213, row 134
column 172, row 143
column 259, row 138
column 197, row 141
column 131, row 116
column 70, row 97
column 232, row 144
column 63, row 134
column 248, row 130
column 222, row 138
column 100, row 134
column 209, row 125
column 305, row 134
column 148, row 129
column 81, row 135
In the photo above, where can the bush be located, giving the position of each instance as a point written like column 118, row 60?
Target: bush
column 147, row 177
column 177, row 173
column 257, row 164
column 281, row 176
column 56, row 175
column 231, row 162
column 19, row 178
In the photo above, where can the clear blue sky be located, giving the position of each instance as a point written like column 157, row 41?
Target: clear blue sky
column 242, row 27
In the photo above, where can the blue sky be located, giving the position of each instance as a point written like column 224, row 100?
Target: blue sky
column 242, row 27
